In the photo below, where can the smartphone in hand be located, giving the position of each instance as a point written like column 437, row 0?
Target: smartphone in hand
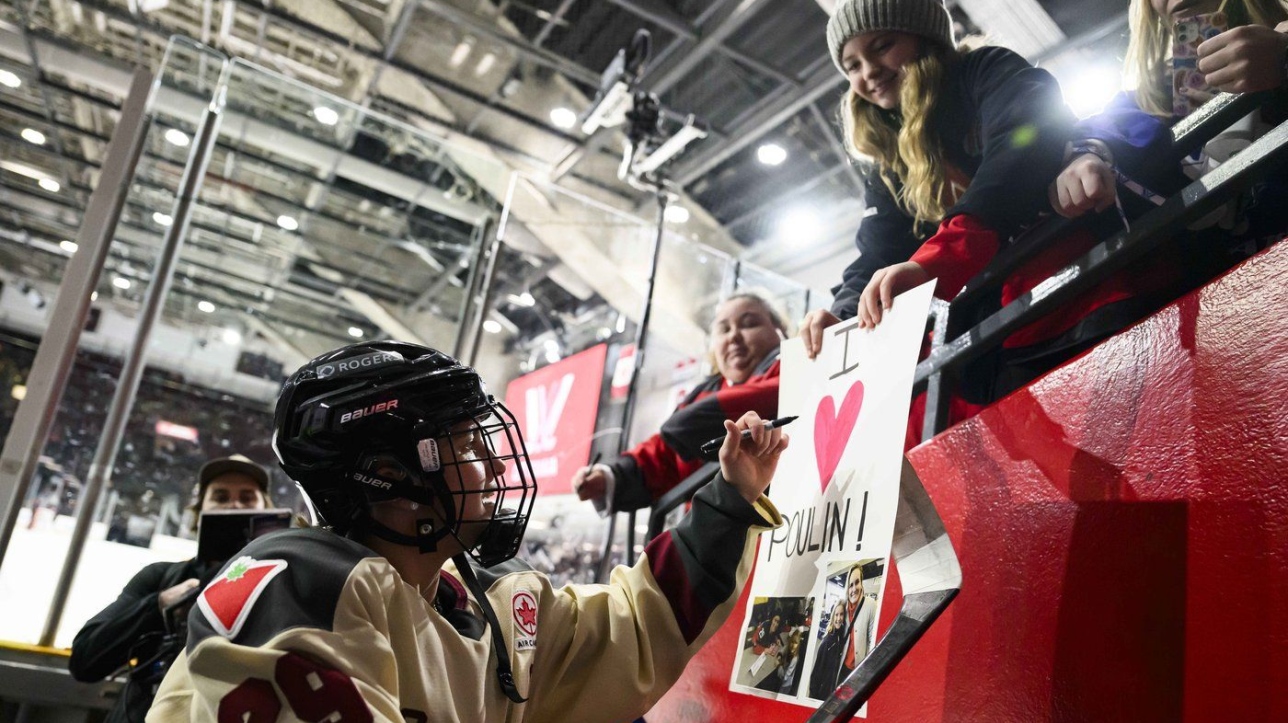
column 1187, row 35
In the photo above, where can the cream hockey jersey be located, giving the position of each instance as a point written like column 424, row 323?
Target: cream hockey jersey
column 309, row 626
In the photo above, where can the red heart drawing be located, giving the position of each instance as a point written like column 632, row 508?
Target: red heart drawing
column 832, row 431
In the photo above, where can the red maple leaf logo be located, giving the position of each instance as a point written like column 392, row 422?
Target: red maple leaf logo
column 525, row 612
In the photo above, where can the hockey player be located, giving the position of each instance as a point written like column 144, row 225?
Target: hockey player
column 409, row 607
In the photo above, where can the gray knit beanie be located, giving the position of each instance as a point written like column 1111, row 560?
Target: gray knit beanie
column 927, row 18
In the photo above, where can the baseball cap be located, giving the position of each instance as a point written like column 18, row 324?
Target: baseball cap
column 234, row 463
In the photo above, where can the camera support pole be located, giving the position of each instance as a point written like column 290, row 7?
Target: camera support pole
column 628, row 411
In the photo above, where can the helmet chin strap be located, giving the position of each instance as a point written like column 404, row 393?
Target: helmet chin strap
column 504, row 673
column 426, row 538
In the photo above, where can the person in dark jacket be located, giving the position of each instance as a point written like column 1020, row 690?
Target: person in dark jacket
column 848, row 637
column 963, row 145
column 133, row 627
column 745, row 335
column 1123, row 158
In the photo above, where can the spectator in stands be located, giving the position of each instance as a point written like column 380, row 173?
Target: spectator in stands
column 1248, row 53
column 848, row 637
column 959, row 146
column 745, row 335
column 135, row 625
column 1128, row 146
column 963, row 140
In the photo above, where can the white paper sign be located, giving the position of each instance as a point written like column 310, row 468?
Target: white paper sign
column 819, row 578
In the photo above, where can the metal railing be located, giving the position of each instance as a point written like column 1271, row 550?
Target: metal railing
column 953, row 346
column 919, row 531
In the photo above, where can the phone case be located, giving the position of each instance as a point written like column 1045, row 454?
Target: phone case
column 1187, row 35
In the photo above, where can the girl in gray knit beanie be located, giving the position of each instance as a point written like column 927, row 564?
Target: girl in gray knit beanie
column 965, row 141
column 894, row 54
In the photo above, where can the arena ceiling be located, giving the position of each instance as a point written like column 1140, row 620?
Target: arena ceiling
column 386, row 214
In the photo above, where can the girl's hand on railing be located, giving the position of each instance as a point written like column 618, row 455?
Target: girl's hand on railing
column 1086, row 184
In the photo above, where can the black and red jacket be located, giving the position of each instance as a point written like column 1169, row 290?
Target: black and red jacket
column 650, row 469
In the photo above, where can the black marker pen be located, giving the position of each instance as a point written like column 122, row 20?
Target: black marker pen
column 713, row 445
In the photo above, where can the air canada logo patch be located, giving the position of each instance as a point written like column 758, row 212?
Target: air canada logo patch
column 524, row 609
column 228, row 600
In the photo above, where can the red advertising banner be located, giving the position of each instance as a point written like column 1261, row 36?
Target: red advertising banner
column 556, row 407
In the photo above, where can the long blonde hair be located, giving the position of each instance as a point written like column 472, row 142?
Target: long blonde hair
column 901, row 141
column 1150, row 47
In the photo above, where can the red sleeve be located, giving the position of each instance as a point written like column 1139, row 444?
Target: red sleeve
column 666, row 458
column 660, row 467
column 959, row 250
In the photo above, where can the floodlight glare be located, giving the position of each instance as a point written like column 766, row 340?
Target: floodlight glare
column 1088, row 92
column 799, row 227
column 461, row 52
column 563, row 118
column 771, row 154
column 675, row 214
column 326, row 116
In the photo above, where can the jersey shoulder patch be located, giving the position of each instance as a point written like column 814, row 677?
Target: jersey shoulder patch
column 228, row 599
column 288, row 579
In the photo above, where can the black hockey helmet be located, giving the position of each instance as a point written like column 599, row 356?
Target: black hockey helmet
column 384, row 420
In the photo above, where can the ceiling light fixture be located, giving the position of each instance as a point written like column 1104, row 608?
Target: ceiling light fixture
column 771, row 154
column 205, row 306
column 461, row 52
column 232, row 337
column 675, row 214
column 121, row 283
column 287, row 223
column 326, row 116
column 491, row 326
column 68, row 246
column 176, row 137
column 355, row 332
column 486, row 63
column 9, row 80
column 31, row 135
column 162, row 219
column 50, row 185
column 563, row 118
